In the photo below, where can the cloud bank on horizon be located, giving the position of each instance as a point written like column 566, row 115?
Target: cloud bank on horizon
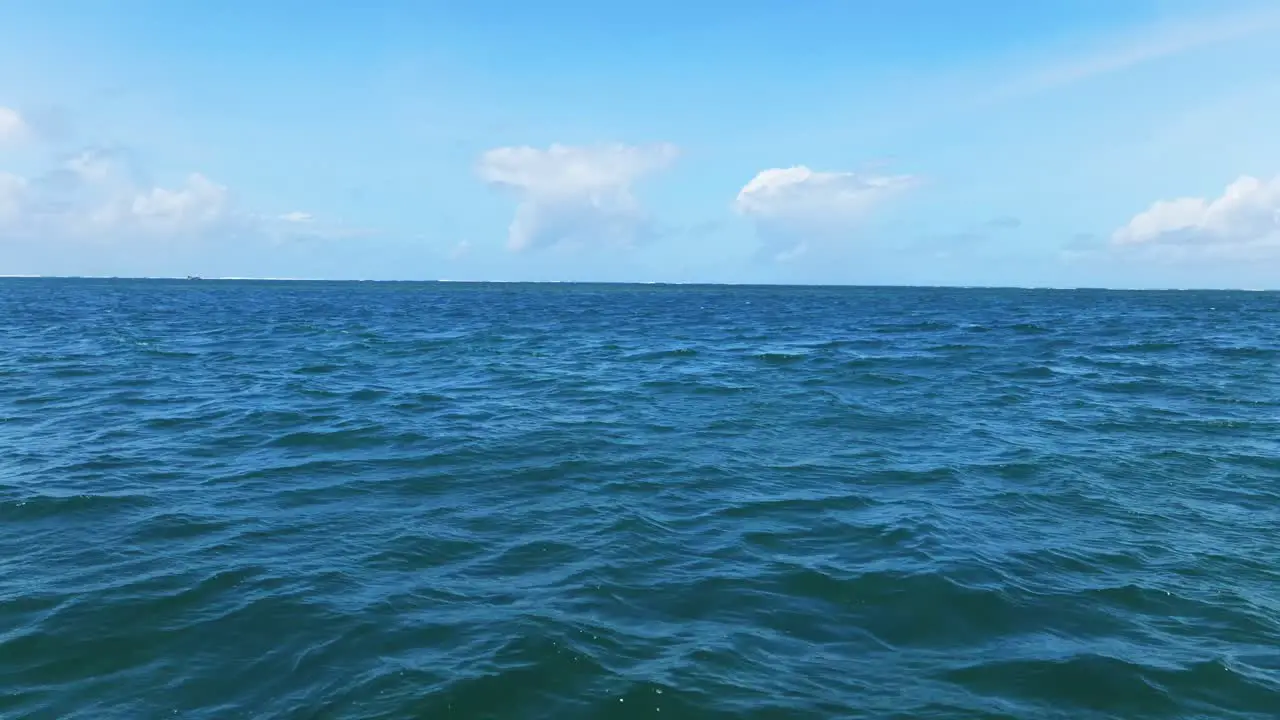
column 1003, row 161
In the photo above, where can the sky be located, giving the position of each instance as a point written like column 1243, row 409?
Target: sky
column 1058, row 143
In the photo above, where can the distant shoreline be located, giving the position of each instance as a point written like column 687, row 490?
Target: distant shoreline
column 187, row 279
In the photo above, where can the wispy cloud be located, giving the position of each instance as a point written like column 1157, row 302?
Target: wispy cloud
column 1136, row 47
column 968, row 239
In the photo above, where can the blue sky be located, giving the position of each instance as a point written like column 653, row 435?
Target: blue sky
column 1122, row 143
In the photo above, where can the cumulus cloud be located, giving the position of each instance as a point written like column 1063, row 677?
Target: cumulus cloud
column 197, row 204
column 101, row 195
column 795, row 207
column 95, row 194
column 576, row 195
column 1243, row 220
column 12, row 126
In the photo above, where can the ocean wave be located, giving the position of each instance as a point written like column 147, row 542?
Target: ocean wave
column 577, row 501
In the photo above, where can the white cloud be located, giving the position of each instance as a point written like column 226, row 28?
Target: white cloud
column 793, row 207
column 1243, row 220
column 200, row 202
column 98, row 195
column 574, row 194
column 801, row 193
column 12, row 126
column 99, row 211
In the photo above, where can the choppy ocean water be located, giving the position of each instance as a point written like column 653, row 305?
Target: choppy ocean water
column 354, row 500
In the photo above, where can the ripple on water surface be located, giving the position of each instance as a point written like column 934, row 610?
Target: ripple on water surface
column 354, row 500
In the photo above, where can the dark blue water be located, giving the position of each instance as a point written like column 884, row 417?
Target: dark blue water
column 310, row 500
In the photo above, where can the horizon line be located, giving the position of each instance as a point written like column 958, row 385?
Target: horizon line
column 196, row 278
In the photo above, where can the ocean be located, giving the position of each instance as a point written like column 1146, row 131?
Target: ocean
column 237, row 499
